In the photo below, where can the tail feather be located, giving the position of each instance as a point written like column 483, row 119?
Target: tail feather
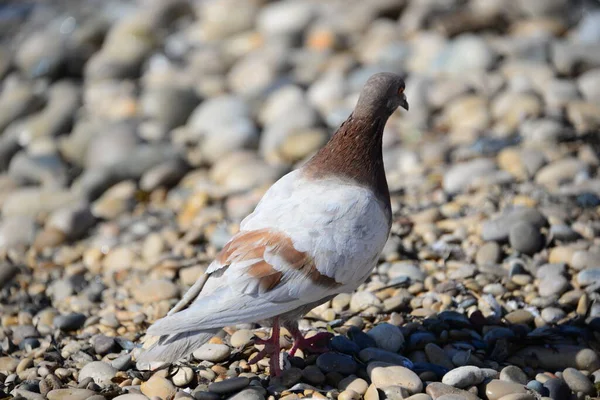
column 174, row 347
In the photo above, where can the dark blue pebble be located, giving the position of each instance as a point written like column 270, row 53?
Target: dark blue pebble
column 344, row 345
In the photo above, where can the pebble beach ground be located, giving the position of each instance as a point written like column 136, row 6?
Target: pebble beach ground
column 134, row 136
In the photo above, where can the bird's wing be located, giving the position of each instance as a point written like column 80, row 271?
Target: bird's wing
column 303, row 243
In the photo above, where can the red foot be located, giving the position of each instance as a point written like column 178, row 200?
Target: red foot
column 271, row 350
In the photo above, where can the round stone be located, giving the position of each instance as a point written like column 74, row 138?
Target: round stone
column 241, row 338
column 384, row 374
column 388, row 337
column 514, row 374
column 159, row 387
column 212, row 352
column 229, row 385
column 577, row 381
column 525, row 238
column 99, row 371
column 183, row 376
column 463, row 377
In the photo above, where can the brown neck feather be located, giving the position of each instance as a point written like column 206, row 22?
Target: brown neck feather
column 354, row 153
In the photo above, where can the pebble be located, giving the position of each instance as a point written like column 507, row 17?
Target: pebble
column 513, row 374
column 577, row 381
column 155, row 290
column 387, row 337
column 332, row 362
column 354, row 383
column 159, row 387
column 212, row 352
column 495, row 389
column 498, row 229
column 70, row 394
column 229, row 385
column 384, row 374
column 241, row 338
column 247, row 394
column 101, row 372
column 438, row 389
column 183, row 376
column 69, row 322
column 463, row 377
column 525, row 238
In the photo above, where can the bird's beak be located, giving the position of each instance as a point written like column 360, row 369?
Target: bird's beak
column 404, row 102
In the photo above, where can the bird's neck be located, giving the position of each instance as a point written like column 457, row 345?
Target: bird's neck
column 354, row 153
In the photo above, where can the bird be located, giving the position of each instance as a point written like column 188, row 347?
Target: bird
column 317, row 232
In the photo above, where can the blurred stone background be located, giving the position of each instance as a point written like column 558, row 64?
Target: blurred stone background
column 135, row 135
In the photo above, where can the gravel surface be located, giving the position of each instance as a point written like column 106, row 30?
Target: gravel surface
column 134, row 136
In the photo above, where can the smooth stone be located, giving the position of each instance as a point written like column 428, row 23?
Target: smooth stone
column 557, row 389
column 513, row 374
column 354, row 383
column 99, row 371
column 241, row 338
column 518, row 396
column 69, row 322
column 333, row 362
column 463, row 377
column 159, row 387
column 562, row 356
column 122, row 363
column 229, row 385
column 589, row 276
column 553, row 286
column 247, row 394
column 183, row 376
column 438, row 389
column 552, row 314
column 223, row 125
column 8, row 365
column 388, row 337
column 519, row 317
column 16, row 231
column 131, row 396
column 489, row 253
column 375, row 354
column 348, row 395
column 498, row 229
column 155, row 290
column 212, row 352
column 410, row 270
column 460, row 176
column 395, row 392
column 436, row 355
column 70, row 394
column 344, row 345
column 313, row 375
column 104, row 344
column 560, row 172
column 419, row 396
column 495, row 389
column 577, row 381
column 384, row 374
column 525, row 238
column 363, row 300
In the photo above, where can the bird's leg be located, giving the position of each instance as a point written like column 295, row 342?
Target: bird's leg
column 271, row 349
column 314, row 344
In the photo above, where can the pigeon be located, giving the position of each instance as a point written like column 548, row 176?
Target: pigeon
column 317, row 232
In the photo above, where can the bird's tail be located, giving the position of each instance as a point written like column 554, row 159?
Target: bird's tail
column 171, row 348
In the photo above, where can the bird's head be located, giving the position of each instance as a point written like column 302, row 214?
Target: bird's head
column 382, row 95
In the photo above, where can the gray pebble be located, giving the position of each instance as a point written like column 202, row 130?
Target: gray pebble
column 526, row 238
column 229, row 385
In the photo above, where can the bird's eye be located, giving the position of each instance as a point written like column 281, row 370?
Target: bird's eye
column 401, row 90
